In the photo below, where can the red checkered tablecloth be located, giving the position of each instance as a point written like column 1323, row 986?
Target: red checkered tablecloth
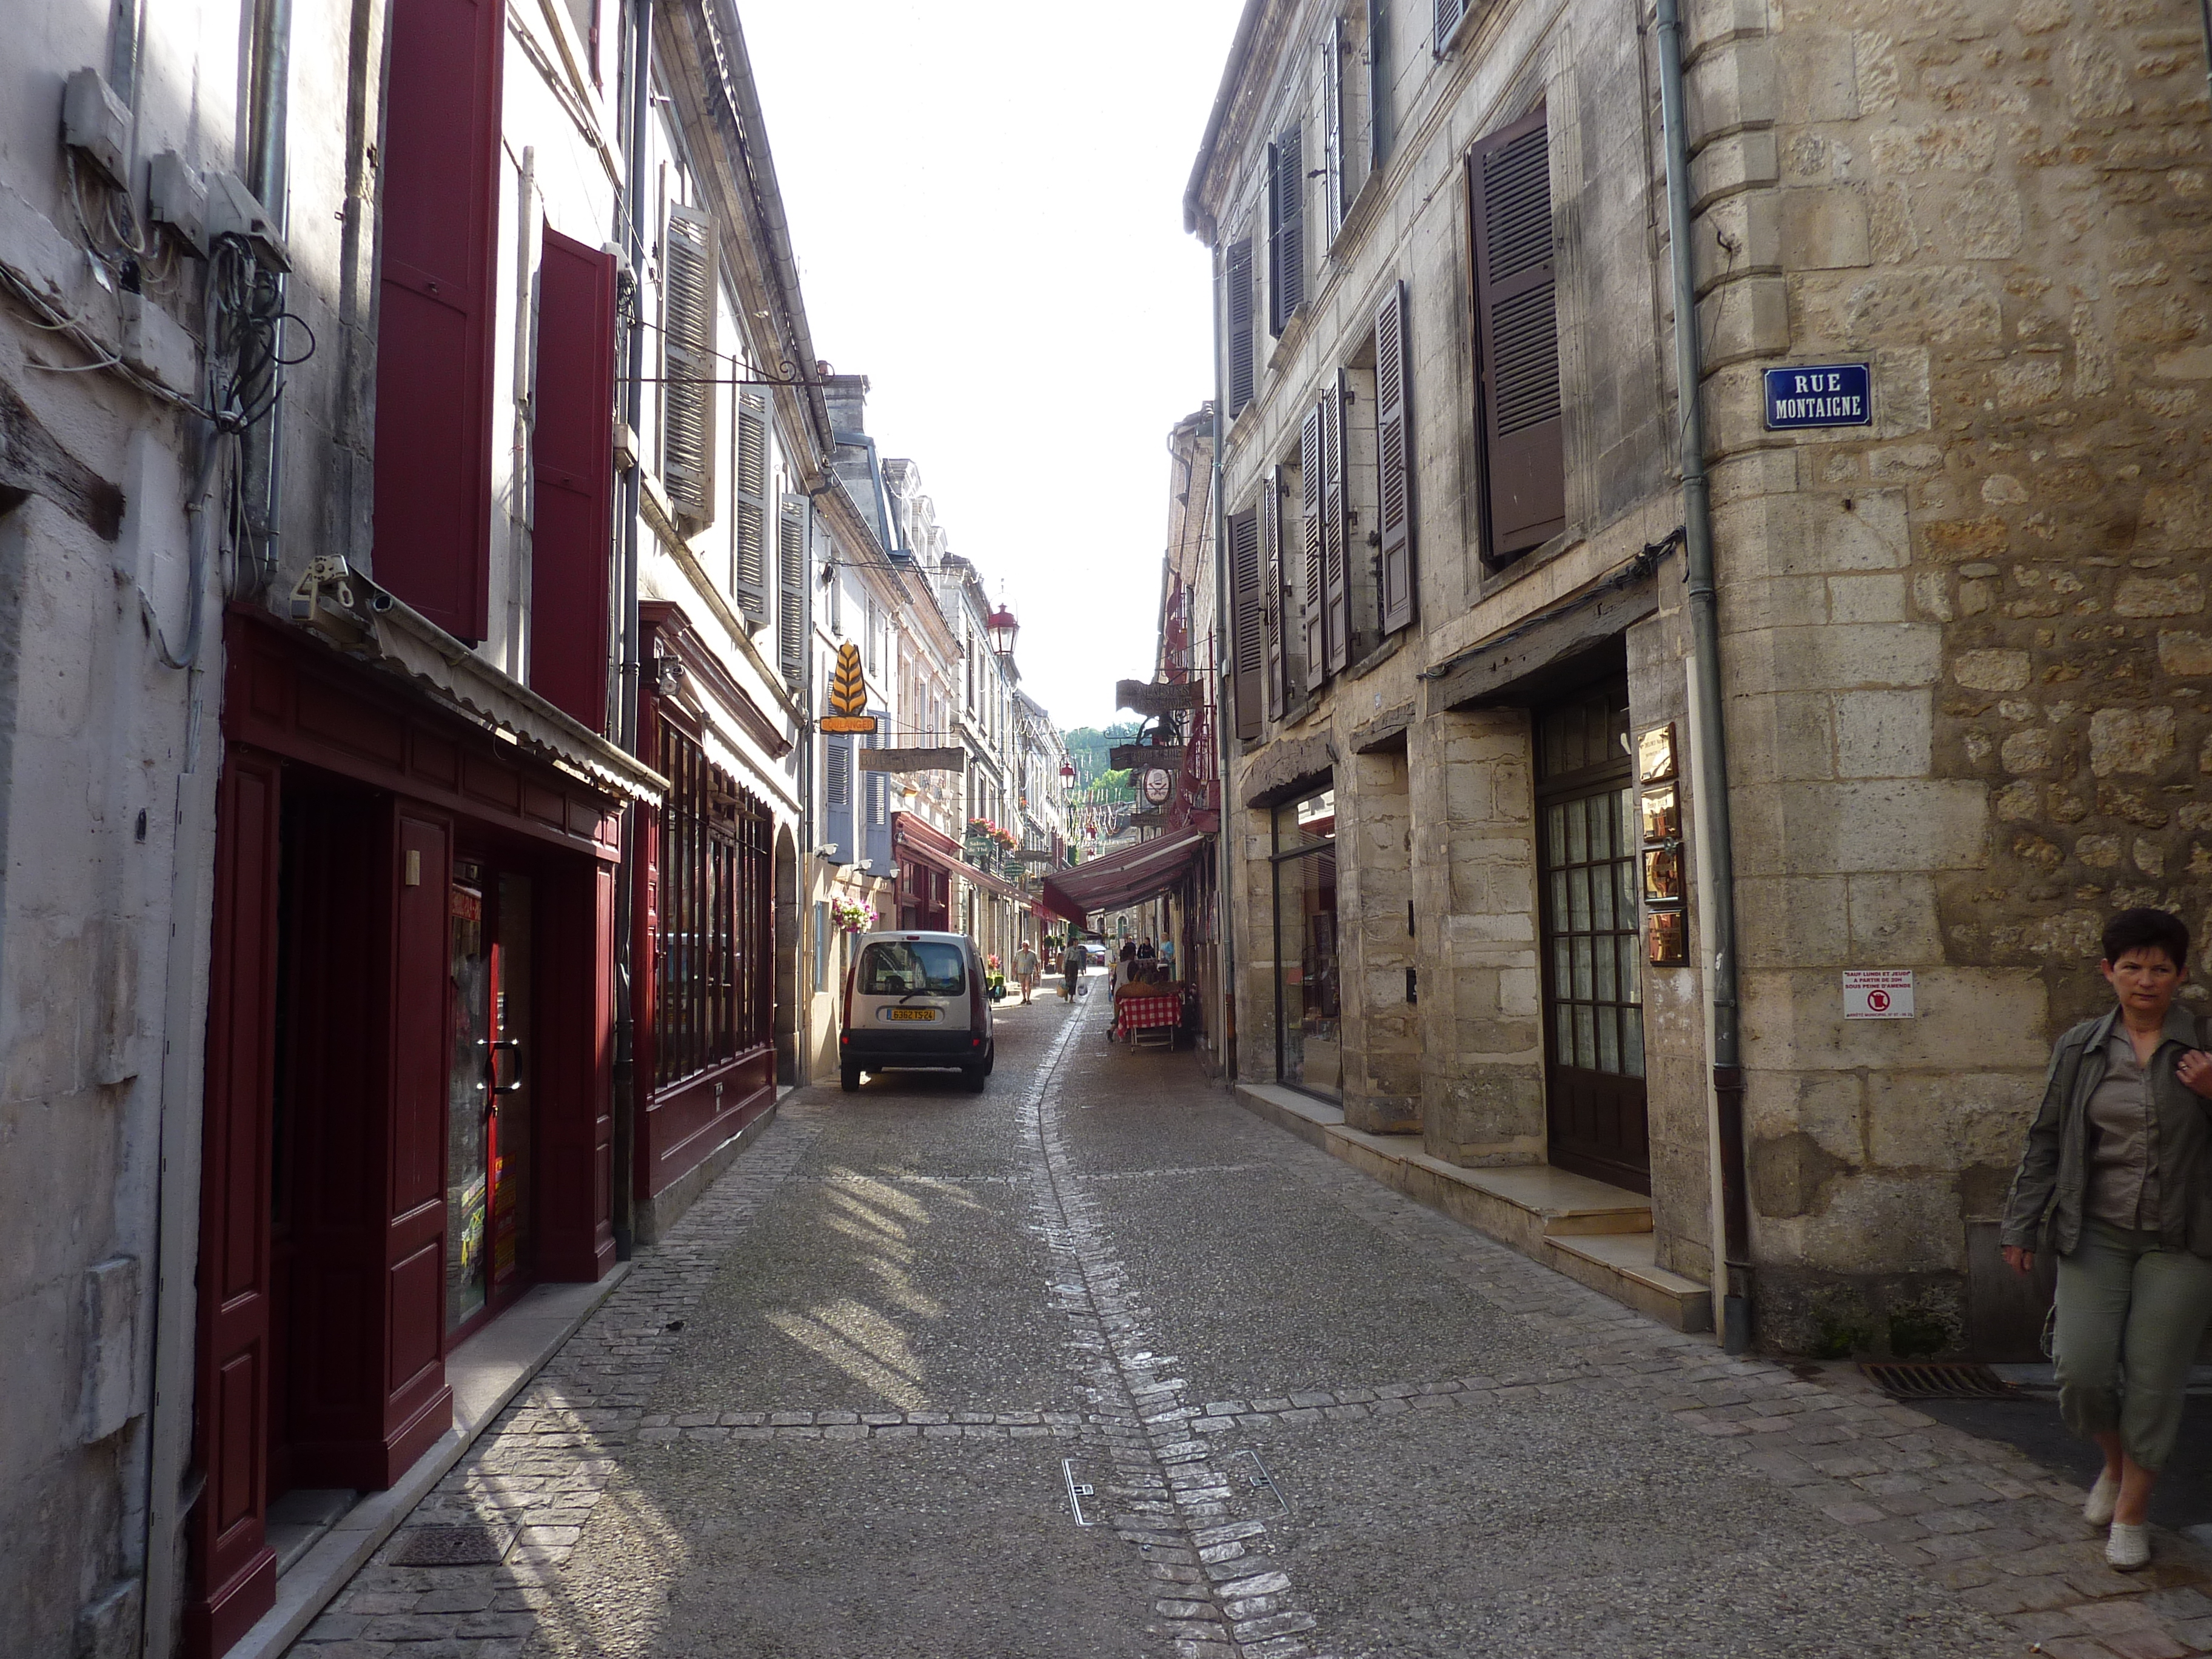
column 1143, row 1014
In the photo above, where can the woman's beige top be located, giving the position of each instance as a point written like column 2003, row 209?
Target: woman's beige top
column 2122, row 1172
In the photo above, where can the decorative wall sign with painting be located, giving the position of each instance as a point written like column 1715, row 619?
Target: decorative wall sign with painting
column 1660, row 802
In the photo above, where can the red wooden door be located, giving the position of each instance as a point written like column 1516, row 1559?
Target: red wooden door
column 234, row 1571
column 417, row 1404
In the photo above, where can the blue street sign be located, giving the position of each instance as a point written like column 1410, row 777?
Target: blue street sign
column 1822, row 394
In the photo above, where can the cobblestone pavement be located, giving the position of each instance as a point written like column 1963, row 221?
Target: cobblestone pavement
column 1097, row 1365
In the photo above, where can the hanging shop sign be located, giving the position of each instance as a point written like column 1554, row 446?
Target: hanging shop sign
column 912, row 760
column 1158, row 786
column 1823, row 394
column 1123, row 755
column 848, row 694
column 1145, row 697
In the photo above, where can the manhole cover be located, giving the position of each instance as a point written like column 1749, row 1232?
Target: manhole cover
column 1901, row 1381
column 451, row 1546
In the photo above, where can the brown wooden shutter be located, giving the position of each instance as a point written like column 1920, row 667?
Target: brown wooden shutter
column 1313, row 436
column 1517, row 339
column 1287, row 227
column 1393, row 458
column 1271, row 521
column 1336, row 588
column 572, row 478
column 1236, row 276
column 1248, row 619
column 687, row 356
column 749, row 576
column 1379, row 83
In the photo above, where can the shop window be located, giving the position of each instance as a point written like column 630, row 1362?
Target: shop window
column 713, row 966
column 1309, row 1007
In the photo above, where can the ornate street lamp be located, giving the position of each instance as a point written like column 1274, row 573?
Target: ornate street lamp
column 1002, row 628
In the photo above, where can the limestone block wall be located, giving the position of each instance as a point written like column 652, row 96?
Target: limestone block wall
column 1377, row 925
column 1474, row 893
column 1965, row 645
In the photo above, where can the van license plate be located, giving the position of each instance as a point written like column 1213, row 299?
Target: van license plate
column 911, row 1013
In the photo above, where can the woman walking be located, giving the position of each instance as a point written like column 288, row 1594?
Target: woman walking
column 2116, row 1178
column 1071, row 967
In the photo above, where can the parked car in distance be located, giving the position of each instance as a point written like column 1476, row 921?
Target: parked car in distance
column 916, row 1000
column 1097, row 952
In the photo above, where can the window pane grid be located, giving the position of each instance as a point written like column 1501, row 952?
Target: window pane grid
column 1596, row 987
column 713, row 1001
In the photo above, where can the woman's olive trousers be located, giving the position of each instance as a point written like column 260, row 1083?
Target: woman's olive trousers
column 2129, row 1308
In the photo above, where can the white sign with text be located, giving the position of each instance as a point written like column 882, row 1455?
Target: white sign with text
column 1877, row 993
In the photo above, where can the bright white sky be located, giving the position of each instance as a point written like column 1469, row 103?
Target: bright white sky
column 986, row 198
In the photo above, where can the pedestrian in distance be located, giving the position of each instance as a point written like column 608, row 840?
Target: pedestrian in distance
column 2117, row 1179
column 1146, row 951
column 1071, row 970
column 1026, row 970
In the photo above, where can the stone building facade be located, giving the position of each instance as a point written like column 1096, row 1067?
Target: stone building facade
column 1963, row 646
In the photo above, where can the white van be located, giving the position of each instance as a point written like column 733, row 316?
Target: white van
column 916, row 999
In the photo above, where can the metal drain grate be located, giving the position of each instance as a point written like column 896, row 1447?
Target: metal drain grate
column 1901, row 1381
column 467, row 1546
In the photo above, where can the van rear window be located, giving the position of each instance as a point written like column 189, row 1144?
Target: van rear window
column 898, row 968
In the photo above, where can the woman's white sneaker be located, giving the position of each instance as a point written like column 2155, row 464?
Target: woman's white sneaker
column 2127, row 1549
column 2103, row 1498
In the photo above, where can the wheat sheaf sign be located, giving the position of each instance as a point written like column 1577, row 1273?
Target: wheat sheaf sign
column 848, row 694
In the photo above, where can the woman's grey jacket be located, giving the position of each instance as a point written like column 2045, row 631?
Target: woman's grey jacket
column 2053, row 1177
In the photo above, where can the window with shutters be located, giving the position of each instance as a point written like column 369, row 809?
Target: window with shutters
column 1287, row 227
column 1275, row 597
column 1392, row 497
column 1248, row 618
column 791, row 591
column 572, row 478
column 1335, row 63
column 749, row 500
column 1517, row 340
column 689, row 287
column 1450, row 15
column 1380, row 82
column 1323, row 609
column 1239, row 345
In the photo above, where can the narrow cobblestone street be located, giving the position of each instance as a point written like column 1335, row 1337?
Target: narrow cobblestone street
column 841, row 1411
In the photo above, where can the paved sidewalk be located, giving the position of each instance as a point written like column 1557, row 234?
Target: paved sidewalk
column 844, row 1409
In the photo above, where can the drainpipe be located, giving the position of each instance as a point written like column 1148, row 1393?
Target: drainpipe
column 626, row 691
column 1224, row 685
column 1708, row 738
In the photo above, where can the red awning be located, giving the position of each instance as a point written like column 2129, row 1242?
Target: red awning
column 1128, row 877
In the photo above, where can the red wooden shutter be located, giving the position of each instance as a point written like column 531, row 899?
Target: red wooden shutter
column 1287, row 227
column 1247, row 614
column 1336, row 592
column 573, row 479
column 1271, row 539
column 1517, row 339
column 1312, row 610
column 440, row 183
column 1237, row 278
column 1393, row 458
column 234, row 1569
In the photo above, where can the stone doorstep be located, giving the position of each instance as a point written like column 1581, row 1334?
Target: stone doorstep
column 1595, row 1234
column 486, row 1373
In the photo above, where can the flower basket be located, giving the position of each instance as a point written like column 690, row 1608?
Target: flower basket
column 852, row 917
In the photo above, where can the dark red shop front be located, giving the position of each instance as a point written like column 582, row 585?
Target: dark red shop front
column 407, row 1105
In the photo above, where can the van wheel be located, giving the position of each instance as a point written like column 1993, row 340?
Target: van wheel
column 849, row 1077
column 974, row 1076
column 991, row 1059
